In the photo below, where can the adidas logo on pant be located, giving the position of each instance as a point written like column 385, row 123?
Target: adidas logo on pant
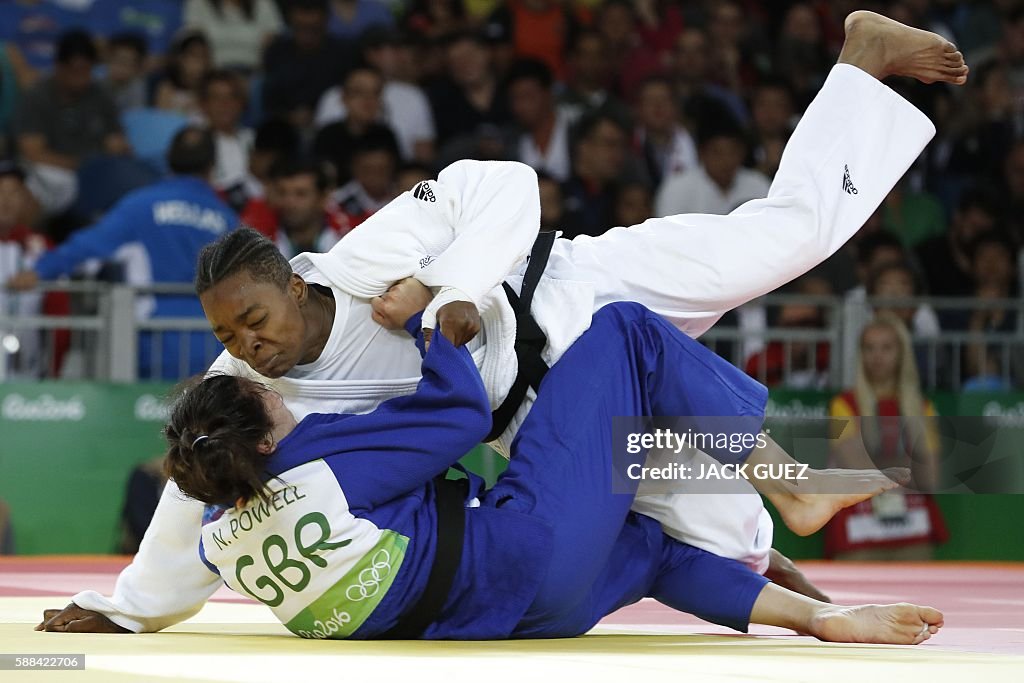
column 848, row 187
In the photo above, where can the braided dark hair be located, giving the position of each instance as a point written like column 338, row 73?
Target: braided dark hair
column 212, row 438
column 241, row 250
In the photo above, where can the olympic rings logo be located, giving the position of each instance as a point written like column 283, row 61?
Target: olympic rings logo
column 370, row 577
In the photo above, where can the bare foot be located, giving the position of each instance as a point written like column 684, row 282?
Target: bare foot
column 829, row 491
column 884, row 47
column 783, row 572
column 902, row 624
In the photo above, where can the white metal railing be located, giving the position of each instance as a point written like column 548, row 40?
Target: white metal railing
column 101, row 339
column 105, row 335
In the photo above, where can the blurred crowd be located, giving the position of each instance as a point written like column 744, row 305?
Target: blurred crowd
column 322, row 111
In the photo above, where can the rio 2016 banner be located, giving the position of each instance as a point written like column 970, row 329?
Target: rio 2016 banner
column 67, row 449
column 979, row 437
column 982, row 451
column 66, row 453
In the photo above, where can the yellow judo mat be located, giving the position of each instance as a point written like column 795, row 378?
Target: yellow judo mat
column 233, row 640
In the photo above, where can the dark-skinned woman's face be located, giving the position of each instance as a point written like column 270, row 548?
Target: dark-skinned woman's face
column 258, row 322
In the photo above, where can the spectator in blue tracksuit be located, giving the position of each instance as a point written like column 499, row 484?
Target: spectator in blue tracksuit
column 171, row 221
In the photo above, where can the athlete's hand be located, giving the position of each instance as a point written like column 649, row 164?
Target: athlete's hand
column 459, row 321
column 783, row 572
column 74, row 619
column 403, row 300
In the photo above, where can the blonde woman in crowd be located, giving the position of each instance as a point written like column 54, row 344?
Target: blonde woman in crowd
column 889, row 430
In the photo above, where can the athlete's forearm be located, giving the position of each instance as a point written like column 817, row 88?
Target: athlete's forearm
column 166, row 582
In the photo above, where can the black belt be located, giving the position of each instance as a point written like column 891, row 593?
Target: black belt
column 450, row 495
column 530, row 339
column 450, row 501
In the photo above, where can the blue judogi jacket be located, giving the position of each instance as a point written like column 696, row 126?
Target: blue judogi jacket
column 347, row 542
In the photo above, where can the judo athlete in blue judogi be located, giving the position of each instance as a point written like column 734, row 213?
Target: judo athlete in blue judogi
column 343, row 527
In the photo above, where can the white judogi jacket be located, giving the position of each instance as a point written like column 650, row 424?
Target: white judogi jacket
column 467, row 230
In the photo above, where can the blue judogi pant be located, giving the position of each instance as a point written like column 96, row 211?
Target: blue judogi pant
column 629, row 363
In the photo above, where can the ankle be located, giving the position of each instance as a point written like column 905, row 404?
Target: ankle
column 822, row 623
column 861, row 48
column 865, row 59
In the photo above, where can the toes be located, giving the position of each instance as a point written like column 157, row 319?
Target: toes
column 898, row 476
column 957, row 75
column 908, row 617
column 920, row 638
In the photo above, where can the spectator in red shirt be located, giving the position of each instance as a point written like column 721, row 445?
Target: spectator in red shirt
column 302, row 201
column 19, row 249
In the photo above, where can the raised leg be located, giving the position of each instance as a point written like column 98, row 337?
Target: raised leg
column 854, row 142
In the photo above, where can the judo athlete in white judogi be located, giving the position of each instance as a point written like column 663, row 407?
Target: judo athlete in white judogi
column 466, row 231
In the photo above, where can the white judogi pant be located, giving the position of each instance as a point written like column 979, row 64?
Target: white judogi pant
column 854, row 143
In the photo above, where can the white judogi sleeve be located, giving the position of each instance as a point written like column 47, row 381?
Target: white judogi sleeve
column 466, row 230
column 166, row 581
